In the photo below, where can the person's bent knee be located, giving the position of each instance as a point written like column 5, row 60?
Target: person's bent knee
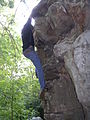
column 27, row 52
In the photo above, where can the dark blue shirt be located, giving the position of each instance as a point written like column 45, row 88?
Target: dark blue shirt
column 27, row 35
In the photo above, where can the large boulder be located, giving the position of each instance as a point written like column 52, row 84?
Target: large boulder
column 62, row 39
column 76, row 55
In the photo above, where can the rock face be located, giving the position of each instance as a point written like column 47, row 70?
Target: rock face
column 62, row 37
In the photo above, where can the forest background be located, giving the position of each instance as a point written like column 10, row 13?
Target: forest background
column 19, row 87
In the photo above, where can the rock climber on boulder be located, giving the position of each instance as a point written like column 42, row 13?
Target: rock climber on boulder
column 29, row 51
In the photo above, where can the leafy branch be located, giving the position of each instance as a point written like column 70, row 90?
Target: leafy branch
column 11, row 36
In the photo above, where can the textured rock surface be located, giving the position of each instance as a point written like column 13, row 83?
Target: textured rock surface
column 79, row 59
column 62, row 38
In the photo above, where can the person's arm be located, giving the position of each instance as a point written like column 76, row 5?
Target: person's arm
column 27, row 35
column 26, row 29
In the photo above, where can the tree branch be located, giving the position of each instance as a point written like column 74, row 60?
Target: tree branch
column 10, row 35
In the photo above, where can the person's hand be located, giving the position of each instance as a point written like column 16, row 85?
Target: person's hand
column 29, row 19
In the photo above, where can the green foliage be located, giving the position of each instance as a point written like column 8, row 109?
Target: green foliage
column 9, row 3
column 19, row 88
column 3, row 3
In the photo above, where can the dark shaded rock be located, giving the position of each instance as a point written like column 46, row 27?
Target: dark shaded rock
column 40, row 9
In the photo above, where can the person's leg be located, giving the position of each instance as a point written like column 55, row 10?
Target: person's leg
column 36, row 61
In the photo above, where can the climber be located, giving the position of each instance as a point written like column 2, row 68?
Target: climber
column 29, row 52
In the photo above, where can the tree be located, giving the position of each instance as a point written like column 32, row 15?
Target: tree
column 19, row 87
column 9, row 3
